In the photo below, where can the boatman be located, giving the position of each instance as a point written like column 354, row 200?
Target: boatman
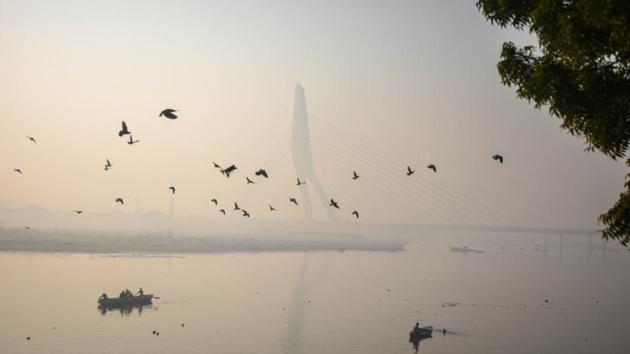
column 140, row 292
column 416, row 329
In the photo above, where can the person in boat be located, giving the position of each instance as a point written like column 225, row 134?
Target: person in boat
column 128, row 293
column 123, row 294
column 103, row 296
column 416, row 328
column 140, row 292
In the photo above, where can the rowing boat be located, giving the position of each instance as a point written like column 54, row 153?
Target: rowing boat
column 420, row 333
column 126, row 301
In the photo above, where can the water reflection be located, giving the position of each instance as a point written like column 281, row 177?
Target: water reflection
column 296, row 317
column 124, row 310
column 416, row 339
column 309, row 275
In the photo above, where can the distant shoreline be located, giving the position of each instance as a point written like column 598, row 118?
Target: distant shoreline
column 159, row 244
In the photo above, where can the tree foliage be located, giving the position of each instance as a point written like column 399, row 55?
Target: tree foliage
column 580, row 71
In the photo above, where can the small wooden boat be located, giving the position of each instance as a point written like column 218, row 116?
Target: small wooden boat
column 464, row 249
column 126, row 301
column 420, row 333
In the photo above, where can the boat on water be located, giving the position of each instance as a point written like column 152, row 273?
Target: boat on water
column 420, row 333
column 143, row 299
column 464, row 249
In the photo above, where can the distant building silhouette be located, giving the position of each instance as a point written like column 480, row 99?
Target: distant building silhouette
column 303, row 157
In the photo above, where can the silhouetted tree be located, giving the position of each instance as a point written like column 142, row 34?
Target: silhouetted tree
column 580, row 70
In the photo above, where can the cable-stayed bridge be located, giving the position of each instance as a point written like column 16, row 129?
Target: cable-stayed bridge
column 428, row 203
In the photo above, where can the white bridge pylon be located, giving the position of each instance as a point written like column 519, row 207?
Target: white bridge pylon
column 303, row 157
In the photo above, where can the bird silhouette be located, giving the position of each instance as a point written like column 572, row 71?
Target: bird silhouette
column 216, row 165
column 131, row 141
column 272, row 208
column 32, row 139
column 78, row 211
column 498, row 157
column 236, row 206
column 17, row 170
column 228, row 170
column 261, row 172
column 292, row 200
column 172, row 189
column 432, row 167
column 169, row 113
column 108, row 165
column 222, row 211
column 299, row 183
column 124, row 130
column 214, row 201
column 355, row 176
column 334, row 204
column 120, row 200
column 410, row 171
column 356, row 214
column 249, row 181
column 245, row 213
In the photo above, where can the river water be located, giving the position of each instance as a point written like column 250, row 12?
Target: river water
column 522, row 294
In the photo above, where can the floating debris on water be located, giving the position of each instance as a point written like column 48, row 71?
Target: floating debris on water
column 453, row 304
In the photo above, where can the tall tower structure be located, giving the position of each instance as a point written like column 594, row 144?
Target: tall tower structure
column 303, row 156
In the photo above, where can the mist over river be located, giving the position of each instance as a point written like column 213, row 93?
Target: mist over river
column 491, row 292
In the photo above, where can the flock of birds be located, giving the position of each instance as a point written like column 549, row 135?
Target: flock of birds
column 170, row 114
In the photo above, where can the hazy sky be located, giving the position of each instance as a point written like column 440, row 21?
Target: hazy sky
column 388, row 84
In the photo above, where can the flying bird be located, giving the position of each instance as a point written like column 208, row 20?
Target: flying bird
column 228, row 170
column 498, row 157
column 222, row 211
column 432, row 167
column 78, row 211
column 356, row 214
column 17, row 170
column 216, row 165
column 32, row 139
column 245, row 213
column 169, row 113
column 261, row 172
column 410, row 171
column 236, row 206
column 214, row 201
column 333, row 203
column 272, row 208
column 120, row 200
column 172, row 189
column 124, row 130
column 355, row 176
column 131, row 141
column 299, row 183
column 249, row 181
column 108, row 165
column 292, row 200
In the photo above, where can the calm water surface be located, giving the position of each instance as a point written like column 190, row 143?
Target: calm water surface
column 327, row 302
